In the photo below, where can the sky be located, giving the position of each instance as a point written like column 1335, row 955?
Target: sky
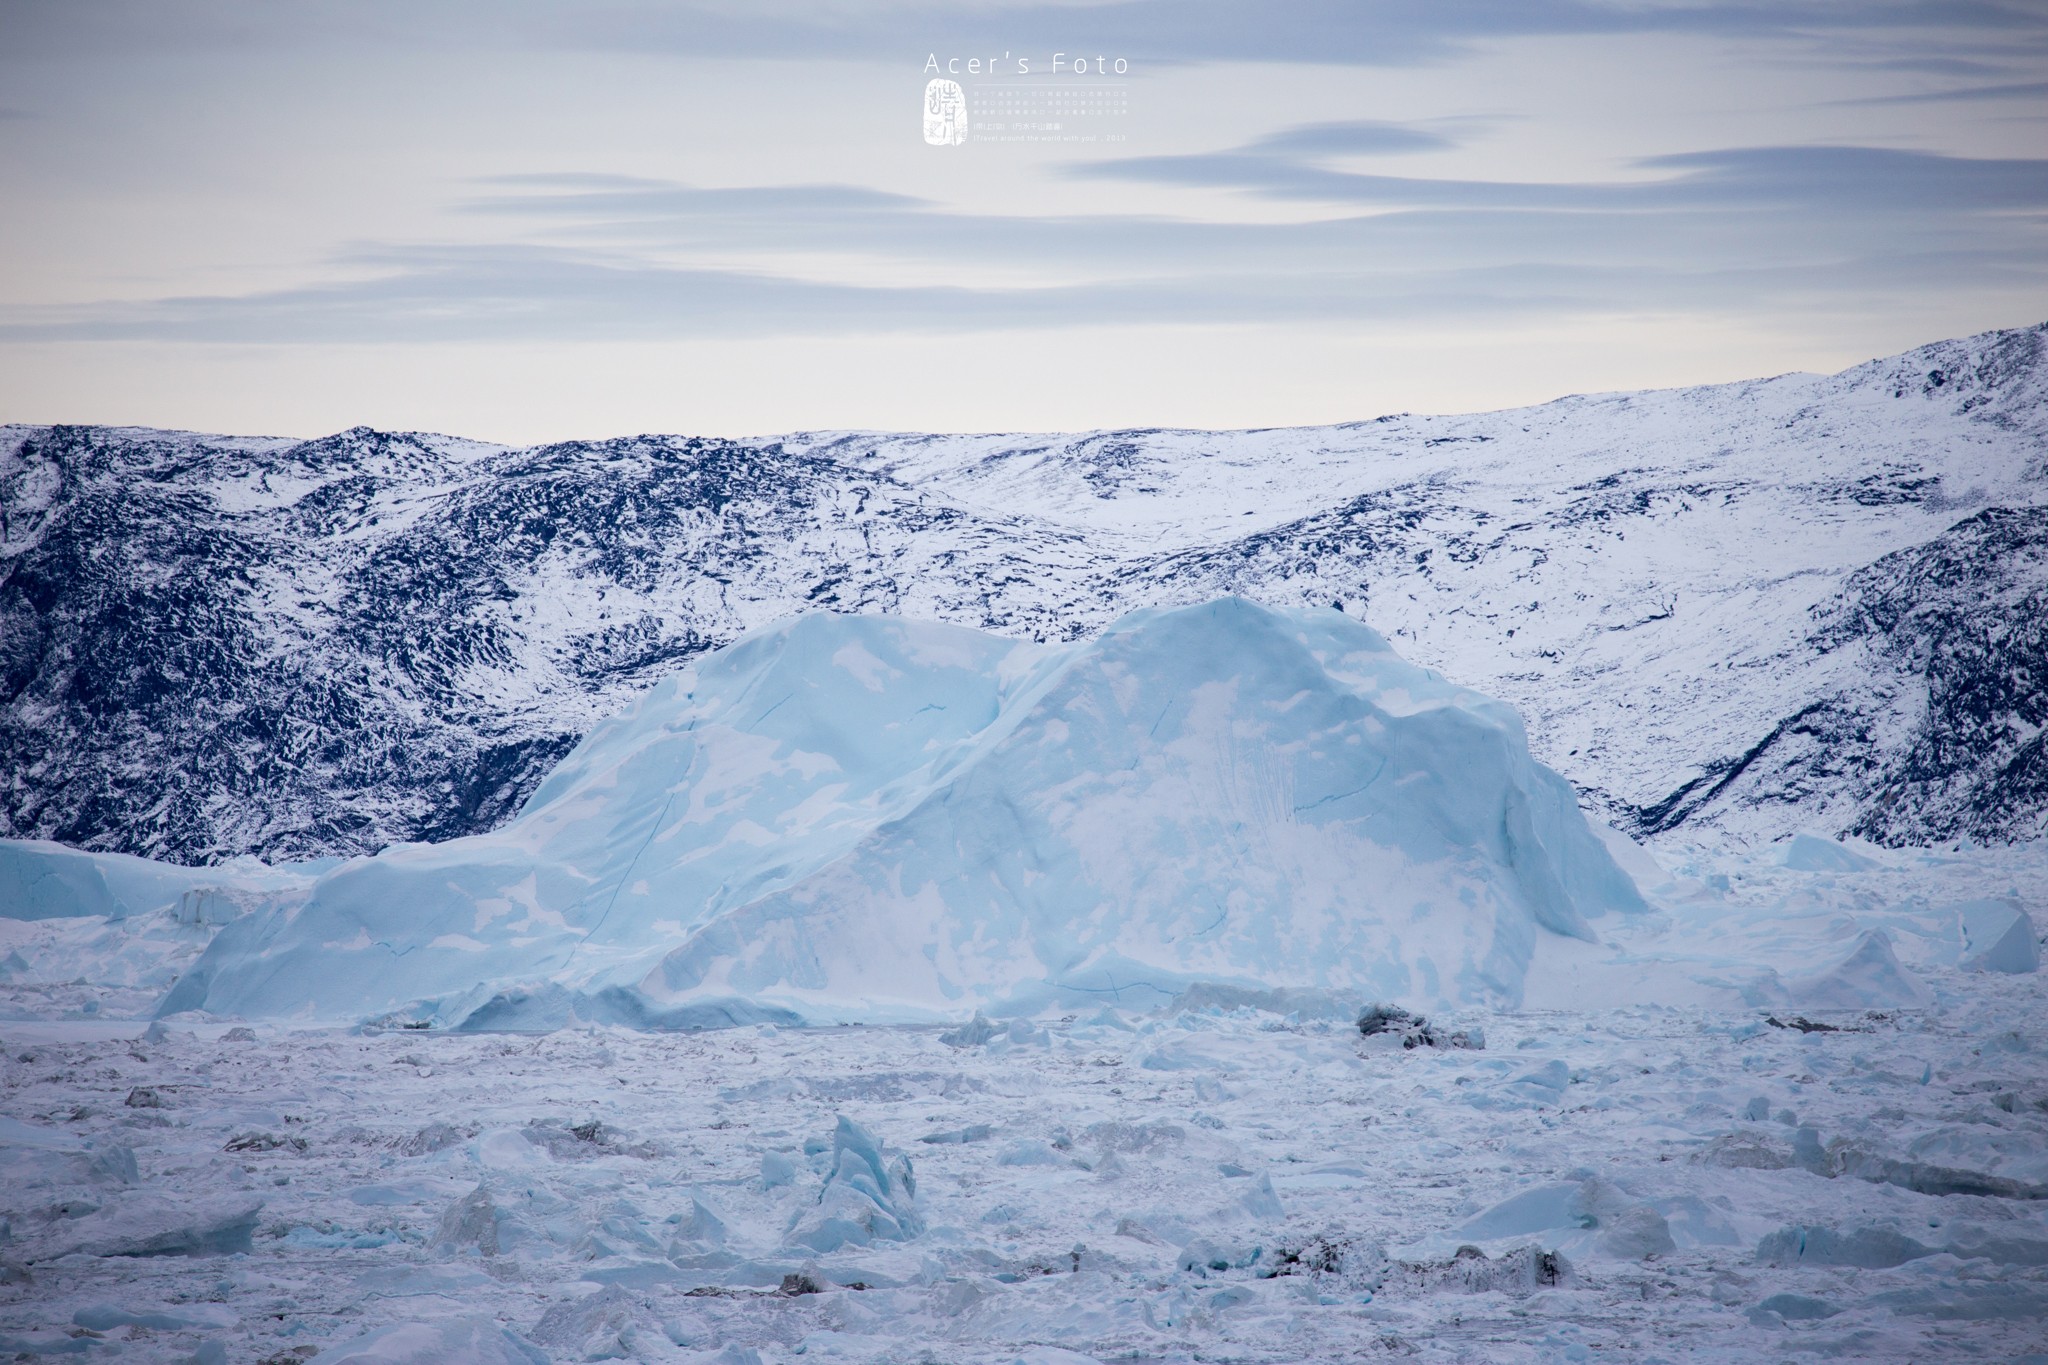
column 523, row 222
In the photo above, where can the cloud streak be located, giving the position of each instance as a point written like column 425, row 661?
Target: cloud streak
column 1866, row 178
column 1382, row 33
column 622, row 258
column 1974, row 94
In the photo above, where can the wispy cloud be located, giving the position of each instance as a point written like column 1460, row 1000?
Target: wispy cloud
column 1380, row 33
column 1972, row 94
column 1867, row 178
column 1359, row 137
column 1374, row 33
column 624, row 258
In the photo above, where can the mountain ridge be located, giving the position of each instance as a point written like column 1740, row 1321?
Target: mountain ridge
column 216, row 646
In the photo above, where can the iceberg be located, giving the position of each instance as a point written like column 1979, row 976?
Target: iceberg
column 864, row 819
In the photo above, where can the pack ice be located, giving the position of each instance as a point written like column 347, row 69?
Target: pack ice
column 864, row 819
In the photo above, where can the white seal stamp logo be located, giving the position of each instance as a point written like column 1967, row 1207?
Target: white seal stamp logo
column 945, row 113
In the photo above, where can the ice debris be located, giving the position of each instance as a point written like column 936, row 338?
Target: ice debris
column 1584, row 1216
column 147, row 1224
column 868, row 1196
column 1392, row 1023
column 459, row 1341
column 973, row 1033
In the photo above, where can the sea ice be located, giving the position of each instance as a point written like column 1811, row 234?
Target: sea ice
column 461, row 1341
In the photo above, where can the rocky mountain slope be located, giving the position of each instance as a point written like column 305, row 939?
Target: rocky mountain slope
column 1726, row 612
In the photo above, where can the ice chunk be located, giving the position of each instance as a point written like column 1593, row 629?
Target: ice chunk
column 1868, row 977
column 732, row 1353
column 1262, row 1201
column 1959, row 1159
column 697, row 1231
column 599, row 1326
column 144, row 1224
column 1393, row 1022
column 1209, row 1255
column 1811, row 853
column 973, row 1033
column 1518, row 1272
column 1970, row 1242
column 461, row 1341
column 45, row 1344
column 33, row 1157
column 40, row 880
column 1797, row 1307
column 1053, row 1355
column 1966, row 1302
column 1030, row 1152
column 1021, row 1033
column 1541, row 1209
column 1184, row 1056
column 472, row 1222
column 509, row 1149
column 105, row 1317
column 1746, row 1151
column 1999, row 936
column 1544, row 1084
column 867, row 1196
column 1866, row 1248
column 1576, row 1217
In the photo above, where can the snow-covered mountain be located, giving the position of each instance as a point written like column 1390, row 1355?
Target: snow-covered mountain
column 1734, row 610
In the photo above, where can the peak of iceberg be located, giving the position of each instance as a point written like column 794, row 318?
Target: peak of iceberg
column 861, row 818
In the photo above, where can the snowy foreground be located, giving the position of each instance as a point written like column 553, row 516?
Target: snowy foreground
column 1686, row 1180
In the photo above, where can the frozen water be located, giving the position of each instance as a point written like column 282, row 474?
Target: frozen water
column 458, row 1342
